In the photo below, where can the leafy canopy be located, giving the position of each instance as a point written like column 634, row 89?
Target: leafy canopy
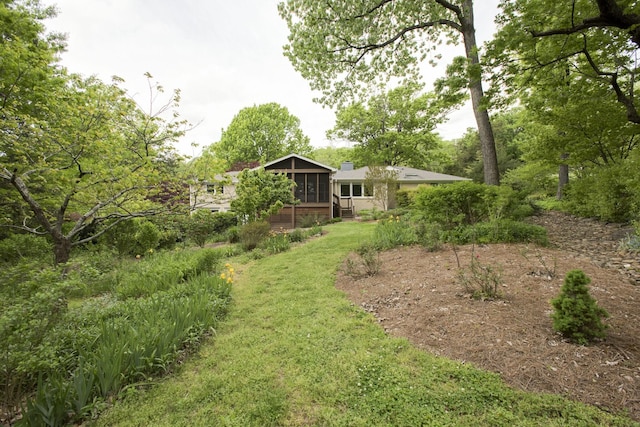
column 263, row 132
column 395, row 128
column 261, row 193
column 77, row 156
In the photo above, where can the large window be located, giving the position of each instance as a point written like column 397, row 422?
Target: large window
column 354, row 189
column 312, row 187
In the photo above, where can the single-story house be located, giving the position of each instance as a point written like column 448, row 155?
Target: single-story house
column 322, row 191
column 349, row 185
column 215, row 196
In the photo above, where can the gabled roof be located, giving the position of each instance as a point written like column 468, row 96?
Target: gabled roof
column 298, row 156
column 405, row 175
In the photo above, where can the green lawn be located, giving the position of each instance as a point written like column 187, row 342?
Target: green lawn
column 294, row 352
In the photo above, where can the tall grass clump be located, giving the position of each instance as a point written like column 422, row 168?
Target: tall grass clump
column 392, row 232
column 59, row 363
column 108, row 347
column 162, row 271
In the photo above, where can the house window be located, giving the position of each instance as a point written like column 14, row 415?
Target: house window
column 354, row 189
column 215, row 189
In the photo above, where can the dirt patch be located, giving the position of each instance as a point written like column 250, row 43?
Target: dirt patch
column 418, row 295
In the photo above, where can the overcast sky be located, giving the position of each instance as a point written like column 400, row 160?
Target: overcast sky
column 222, row 55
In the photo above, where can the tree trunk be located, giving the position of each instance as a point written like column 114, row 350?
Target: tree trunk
column 61, row 250
column 563, row 177
column 485, row 131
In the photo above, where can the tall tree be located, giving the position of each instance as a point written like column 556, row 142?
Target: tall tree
column 75, row 154
column 393, row 129
column 344, row 47
column 263, row 132
column 596, row 39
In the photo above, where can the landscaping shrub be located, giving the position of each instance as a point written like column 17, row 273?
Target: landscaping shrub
column 481, row 280
column 466, row 203
column 200, row 226
column 233, row 234
column 252, row 233
column 404, row 197
column 367, row 262
column 32, row 303
column 507, row 231
column 297, row 235
column 132, row 237
column 146, row 239
column 429, row 235
column 172, row 229
column 577, row 315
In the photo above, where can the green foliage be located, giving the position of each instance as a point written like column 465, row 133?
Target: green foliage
column 395, row 128
column 123, row 164
column 577, row 315
column 133, row 237
column 260, row 193
column 200, row 226
column 233, row 234
column 429, row 235
column 32, row 303
column 172, row 229
column 392, row 232
column 534, row 180
column 505, row 231
column 369, row 261
column 608, row 193
column 129, row 343
column 163, row 271
column 276, row 242
column 297, row 235
column 147, row 237
column 404, row 197
column 264, row 132
column 253, row 233
column 508, row 128
column 332, row 156
column 17, row 247
column 372, row 214
column 465, row 203
column 68, row 359
column 310, row 220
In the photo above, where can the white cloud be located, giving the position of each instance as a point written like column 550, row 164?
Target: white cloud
column 222, row 55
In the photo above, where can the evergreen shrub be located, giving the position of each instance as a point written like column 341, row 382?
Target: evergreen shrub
column 577, row 315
